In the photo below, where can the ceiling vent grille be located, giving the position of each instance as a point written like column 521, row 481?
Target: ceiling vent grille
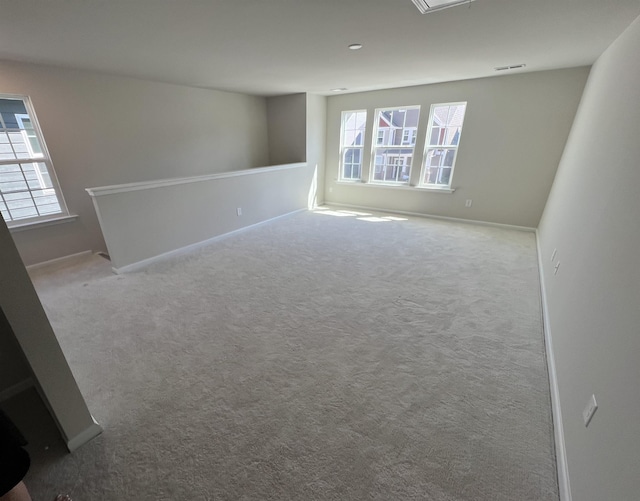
column 427, row 6
column 512, row 67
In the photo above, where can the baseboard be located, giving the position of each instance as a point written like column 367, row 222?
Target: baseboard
column 58, row 260
column 433, row 216
column 564, row 485
column 85, row 436
column 15, row 389
column 192, row 247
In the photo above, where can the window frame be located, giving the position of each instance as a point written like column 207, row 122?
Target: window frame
column 343, row 147
column 428, row 146
column 34, row 158
column 401, row 146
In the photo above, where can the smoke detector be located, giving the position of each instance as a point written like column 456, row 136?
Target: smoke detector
column 427, row 6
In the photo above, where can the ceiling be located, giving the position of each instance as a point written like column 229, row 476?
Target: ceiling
column 272, row 47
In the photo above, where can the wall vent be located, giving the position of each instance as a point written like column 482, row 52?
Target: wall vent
column 512, row 67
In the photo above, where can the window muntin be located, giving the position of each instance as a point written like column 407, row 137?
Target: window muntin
column 28, row 187
column 395, row 142
column 351, row 144
column 441, row 145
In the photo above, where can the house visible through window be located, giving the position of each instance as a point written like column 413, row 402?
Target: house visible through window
column 441, row 146
column 351, row 144
column 28, row 187
column 393, row 152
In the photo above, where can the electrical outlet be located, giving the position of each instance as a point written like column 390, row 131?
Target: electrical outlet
column 553, row 256
column 468, row 203
column 589, row 410
column 239, row 211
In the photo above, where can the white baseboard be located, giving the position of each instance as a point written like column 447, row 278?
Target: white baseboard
column 564, row 485
column 433, row 216
column 58, row 260
column 13, row 390
column 192, row 247
column 85, row 436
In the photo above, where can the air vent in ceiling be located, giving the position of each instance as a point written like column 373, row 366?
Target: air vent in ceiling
column 427, row 6
column 513, row 67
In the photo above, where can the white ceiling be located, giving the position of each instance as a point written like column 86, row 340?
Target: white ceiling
column 271, row 47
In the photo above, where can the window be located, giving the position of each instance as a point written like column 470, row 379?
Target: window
column 28, row 186
column 351, row 144
column 441, row 146
column 409, row 136
column 393, row 152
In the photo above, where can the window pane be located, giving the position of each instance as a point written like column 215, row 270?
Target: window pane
column 351, row 141
column 448, row 158
column 12, row 186
column 395, row 137
column 393, row 165
column 433, row 158
column 456, row 115
column 435, row 134
column 30, row 133
column 440, row 114
column 349, row 137
column 412, row 118
column 444, row 130
column 445, row 175
column 24, row 213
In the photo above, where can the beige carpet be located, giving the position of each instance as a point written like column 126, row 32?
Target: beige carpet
column 323, row 356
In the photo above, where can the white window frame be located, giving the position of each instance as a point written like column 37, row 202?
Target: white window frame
column 344, row 147
column 401, row 146
column 428, row 146
column 44, row 157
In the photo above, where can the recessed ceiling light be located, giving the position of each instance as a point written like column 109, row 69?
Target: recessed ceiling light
column 355, row 46
column 339, row 89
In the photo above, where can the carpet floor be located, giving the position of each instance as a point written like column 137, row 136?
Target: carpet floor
column 326, row 355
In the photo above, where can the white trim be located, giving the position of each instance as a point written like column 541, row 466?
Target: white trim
column 58, row 260
column 401, row 186
column 434, row 189
column 433, row 216
column 32, row 225
column 84, row 436
column 192, row 247
column 160, row 183
column 15, row 389
column 564, row 485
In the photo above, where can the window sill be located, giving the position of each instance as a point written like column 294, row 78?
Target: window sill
column 397, row 186
column 67, row 218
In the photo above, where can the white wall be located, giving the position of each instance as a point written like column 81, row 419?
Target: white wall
column 592, row 218
column 13, row 367
column 31, row 330
column 154, row 220
column 514, row 133
column 316, row 127
column 286, row 116
column 102, row 129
